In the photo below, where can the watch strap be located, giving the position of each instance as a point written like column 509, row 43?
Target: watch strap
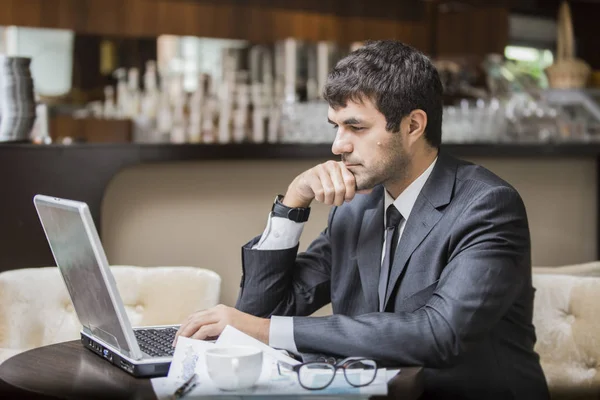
column 296, row 214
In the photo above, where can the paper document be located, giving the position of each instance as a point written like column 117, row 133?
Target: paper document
column 189, row 359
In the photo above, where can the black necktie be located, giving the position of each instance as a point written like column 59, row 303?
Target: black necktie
column 393, row 219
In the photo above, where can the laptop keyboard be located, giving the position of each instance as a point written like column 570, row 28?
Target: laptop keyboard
column 156, row 342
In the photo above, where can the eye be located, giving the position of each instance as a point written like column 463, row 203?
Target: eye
column 334, row 126
column 357, row 128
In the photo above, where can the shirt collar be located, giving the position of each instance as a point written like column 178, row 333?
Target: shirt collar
column 405, row 202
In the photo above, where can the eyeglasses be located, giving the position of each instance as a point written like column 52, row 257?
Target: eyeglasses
column 316, row 375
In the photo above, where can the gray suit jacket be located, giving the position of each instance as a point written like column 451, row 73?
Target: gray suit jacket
column 460, row 298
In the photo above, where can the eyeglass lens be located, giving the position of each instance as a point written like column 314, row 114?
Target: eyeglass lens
column 360, row 373
column 316, row 376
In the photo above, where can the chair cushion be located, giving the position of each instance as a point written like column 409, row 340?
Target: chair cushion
column 585, row 269
column 35, row 308
column 566, row 318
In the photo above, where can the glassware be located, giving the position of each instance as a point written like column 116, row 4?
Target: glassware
column 306, row 123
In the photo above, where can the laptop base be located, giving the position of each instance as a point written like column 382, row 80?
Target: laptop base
column 144, row 370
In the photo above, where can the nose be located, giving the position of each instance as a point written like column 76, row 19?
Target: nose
column 341, row 144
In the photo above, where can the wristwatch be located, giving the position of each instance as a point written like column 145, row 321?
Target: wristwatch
column 297, row 214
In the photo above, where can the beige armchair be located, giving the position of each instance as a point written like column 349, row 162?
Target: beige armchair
column 567, row 320
column 35, row 308
column 585, row 269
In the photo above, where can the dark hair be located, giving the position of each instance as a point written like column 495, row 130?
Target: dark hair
column 396, row 77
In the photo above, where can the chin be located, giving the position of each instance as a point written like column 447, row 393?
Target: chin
column 367, row 183
column 364, row 186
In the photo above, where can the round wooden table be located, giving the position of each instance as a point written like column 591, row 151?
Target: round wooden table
column 68, row 371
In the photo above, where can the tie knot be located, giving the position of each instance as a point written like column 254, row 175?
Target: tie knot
column 393, row 217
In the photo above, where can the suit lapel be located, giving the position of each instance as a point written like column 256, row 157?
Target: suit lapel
column 425, row 214
column 370, row 245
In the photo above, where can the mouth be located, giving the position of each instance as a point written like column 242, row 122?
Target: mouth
column 349, row 163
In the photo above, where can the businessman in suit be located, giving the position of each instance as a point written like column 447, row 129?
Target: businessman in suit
column 425, row 258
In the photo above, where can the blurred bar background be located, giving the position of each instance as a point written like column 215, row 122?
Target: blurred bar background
column 227, row 93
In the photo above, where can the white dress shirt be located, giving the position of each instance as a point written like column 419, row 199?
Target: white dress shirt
column 282, row 233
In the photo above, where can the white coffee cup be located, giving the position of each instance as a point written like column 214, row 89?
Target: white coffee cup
column 234, row 367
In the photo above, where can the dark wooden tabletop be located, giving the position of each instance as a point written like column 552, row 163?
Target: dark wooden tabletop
column 68, row 371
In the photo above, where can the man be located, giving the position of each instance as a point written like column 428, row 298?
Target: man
column 457, row 297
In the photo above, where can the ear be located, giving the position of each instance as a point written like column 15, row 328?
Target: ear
column 417, row 122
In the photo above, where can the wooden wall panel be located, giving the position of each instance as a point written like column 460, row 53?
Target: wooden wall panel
column 26, row 12
column 474, row 31
column 105, row 16
column 145, row 22
column 255, row 20
column 477, row 30
column 418, row 35
column 281, row 21
column 72, row 14
column 51, row 11
column 261, row 22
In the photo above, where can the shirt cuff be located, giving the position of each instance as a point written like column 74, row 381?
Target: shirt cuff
column 281, row 334
column 280, row 233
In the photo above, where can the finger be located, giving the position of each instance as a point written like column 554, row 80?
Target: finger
column 181, row 328
column 178, row 333
column 184, row 325
column 314, row 183
column 199, row 322
column 335, row 173
column 326, row 185
column 349, row 182
column 207, row 331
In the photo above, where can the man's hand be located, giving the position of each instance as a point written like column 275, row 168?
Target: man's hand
column 210, row 323
column 329, row 183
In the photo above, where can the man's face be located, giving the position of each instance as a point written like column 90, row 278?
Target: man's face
column 374, row 155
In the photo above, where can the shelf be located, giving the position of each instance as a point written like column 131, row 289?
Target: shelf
column 143, row 153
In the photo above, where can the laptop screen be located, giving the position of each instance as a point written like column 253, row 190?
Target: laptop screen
column 82, row 265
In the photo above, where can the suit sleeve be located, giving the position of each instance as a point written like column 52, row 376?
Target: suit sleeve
column 485, row 274
column 283, row 282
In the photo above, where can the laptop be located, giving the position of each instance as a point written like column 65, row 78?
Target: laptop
column 107, row 332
